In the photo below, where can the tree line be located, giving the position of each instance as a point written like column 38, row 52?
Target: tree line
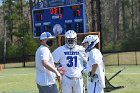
column 117, row 20
column 120, row 24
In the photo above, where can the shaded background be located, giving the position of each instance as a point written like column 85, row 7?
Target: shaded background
column 117, row 21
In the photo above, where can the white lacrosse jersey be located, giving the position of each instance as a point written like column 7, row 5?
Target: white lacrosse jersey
column 95, row 57
column 44, row 77
column 72, row 60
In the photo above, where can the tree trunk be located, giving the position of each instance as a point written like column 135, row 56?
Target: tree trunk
column 132, row 9
column 123, row 19
column 116, row 20
column 139, row 13
column 31, row 6
column 93, row 16
column 98, row 16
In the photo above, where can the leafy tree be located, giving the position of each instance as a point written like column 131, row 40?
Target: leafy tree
column 19, row 37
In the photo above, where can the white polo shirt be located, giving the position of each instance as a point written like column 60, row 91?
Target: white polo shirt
column 44, row 77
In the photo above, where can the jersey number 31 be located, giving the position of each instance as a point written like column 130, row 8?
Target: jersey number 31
column 72, row 61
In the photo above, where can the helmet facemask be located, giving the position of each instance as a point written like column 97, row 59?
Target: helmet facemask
column 70, row 42
column 70, row 39
column 90, row 46
column 92, row 41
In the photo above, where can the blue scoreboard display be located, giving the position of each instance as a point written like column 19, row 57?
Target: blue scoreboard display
column 58, row 20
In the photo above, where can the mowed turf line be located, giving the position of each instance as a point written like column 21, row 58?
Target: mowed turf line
column 22, row 80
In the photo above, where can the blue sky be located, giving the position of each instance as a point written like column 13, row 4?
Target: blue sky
column 0, row 2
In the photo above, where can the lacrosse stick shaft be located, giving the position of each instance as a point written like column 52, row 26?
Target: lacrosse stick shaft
column 60, row 87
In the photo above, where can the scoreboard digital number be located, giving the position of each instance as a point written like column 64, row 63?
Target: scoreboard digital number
column 58, row 20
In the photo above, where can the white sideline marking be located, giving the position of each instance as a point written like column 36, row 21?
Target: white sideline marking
column 13, row 75
column 126, row 73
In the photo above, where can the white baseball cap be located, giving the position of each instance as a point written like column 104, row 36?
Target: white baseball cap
column 46, row 35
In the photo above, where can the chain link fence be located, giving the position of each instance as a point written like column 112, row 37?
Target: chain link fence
column 122, row 58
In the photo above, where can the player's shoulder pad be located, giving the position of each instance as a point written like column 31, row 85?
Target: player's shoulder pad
column 79, row 47
column 96, row 50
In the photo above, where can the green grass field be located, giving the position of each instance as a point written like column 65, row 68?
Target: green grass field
column 128, row 78
column 18, row 80
column 22, row 80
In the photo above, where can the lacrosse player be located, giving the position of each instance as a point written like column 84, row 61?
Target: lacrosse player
column 71, row 57
column 95, row 65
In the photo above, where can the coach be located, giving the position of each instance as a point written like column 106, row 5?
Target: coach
column 45, row 68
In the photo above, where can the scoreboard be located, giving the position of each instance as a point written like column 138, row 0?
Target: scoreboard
column 58, row 20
